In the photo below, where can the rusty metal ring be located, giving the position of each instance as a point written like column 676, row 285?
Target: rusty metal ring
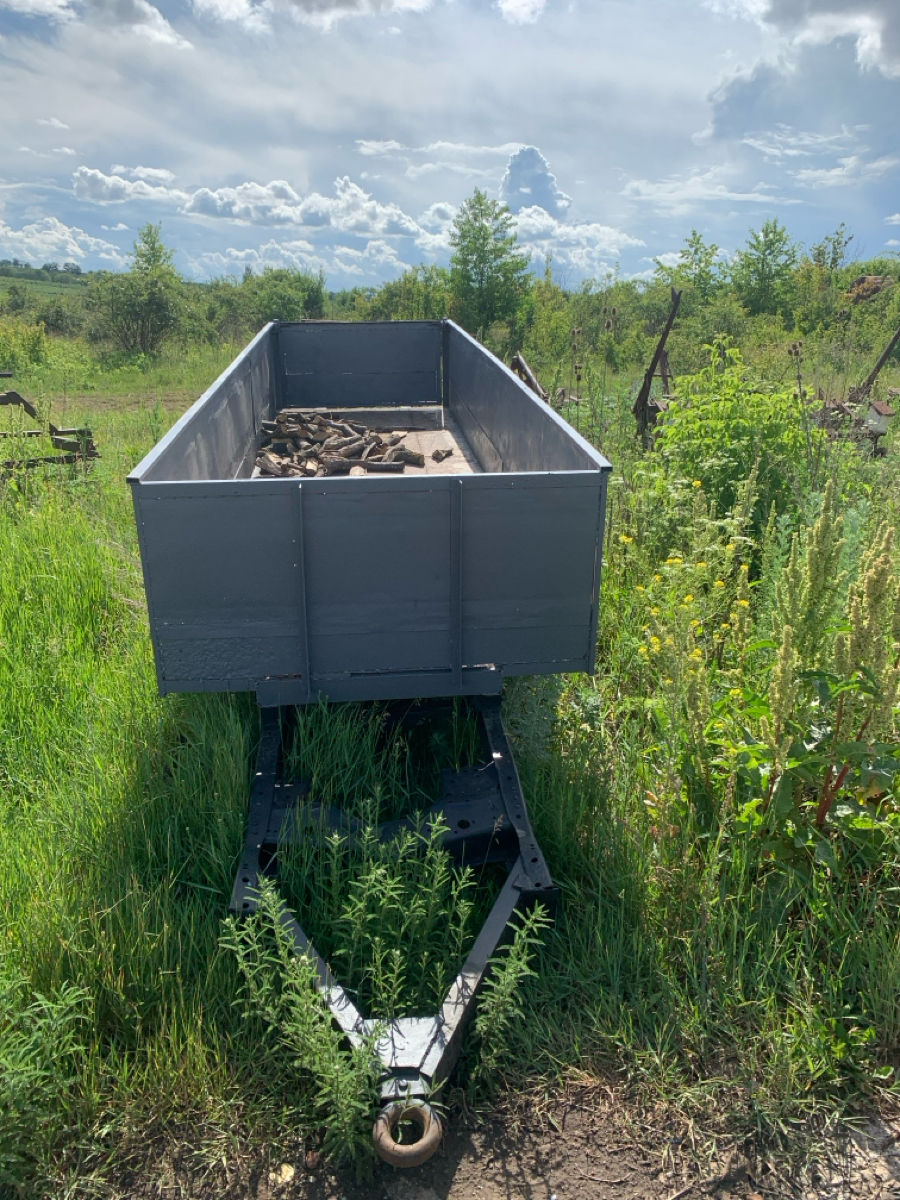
column 414, row 1153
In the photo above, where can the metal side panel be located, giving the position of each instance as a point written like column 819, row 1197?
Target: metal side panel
column 529, row 583
column 222, row 569
column 378, row 587
column 339, row 364
column 215, row 437
column 508, row 427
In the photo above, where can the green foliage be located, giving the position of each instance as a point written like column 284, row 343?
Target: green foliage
column 720, row 427
column 761, row 273
column 42, row 1046
column 22, row 344
column 282, row 295
column 488, row 274
column 394, row 918
column 420, row 294
column 698, row 272
column 502, row 1002
column 278, row 986
column 136, row 311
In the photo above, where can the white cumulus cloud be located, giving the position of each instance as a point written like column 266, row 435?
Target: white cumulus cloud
column 59, row 10
column 584, row 246
column 139, row 17
column 528, row 181
column 94, row 185
column 349, row 210
column 49, row 239
column 150, row 174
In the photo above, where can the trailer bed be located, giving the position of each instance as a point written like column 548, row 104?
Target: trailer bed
column 441, row 581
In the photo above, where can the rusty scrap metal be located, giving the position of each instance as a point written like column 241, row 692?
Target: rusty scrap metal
column 867, row 286
column 525, row 373
column 76, row 444
column 858, row 394
column 646, row 410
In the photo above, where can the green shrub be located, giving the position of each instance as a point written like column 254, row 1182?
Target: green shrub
column 43, row 1043
column 720, row 426
column 22, row 344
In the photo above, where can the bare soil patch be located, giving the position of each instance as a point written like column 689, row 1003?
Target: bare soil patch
column 577, row 1145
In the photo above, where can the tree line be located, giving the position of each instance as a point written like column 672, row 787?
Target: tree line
column 771, row 288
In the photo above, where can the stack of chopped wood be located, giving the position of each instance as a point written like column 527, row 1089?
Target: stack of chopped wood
column 305, row 443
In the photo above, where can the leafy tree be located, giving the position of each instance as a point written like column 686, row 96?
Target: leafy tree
column 547, row 324
column 17, row 299
column 279, row 294
column 420, row 294
column 139, row 309
column 831, row 253
column 488, row 274
column 762, row 273
column 698, row 270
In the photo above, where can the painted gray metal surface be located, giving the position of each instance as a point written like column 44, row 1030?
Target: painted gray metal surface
column 338, row 364
column 370, row 588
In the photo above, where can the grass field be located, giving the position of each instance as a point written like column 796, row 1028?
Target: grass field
column 718, row 949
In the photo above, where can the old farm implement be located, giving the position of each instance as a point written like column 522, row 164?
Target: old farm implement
column 272, row 567
column 69, row 445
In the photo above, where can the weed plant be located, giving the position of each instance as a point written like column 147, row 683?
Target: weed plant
column 394, row 917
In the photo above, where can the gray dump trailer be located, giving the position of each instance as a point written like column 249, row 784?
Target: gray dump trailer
column 378, row 587
column 435, row 583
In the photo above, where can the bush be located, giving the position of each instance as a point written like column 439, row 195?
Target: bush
column 721, row 427
column 22, row 344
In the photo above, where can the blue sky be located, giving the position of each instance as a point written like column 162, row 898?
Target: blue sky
column 342, row 134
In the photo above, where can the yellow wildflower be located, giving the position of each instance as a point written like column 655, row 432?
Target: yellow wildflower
column 700, row 565
column 625, row 539
column 696, row 654
column 654, row 612
column 744, row 603
column 642, row 650
column 719, row 583
column 639, row 588
column 689, row 598
column 697, row 483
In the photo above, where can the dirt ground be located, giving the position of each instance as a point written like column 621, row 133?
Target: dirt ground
column 575, row 1146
